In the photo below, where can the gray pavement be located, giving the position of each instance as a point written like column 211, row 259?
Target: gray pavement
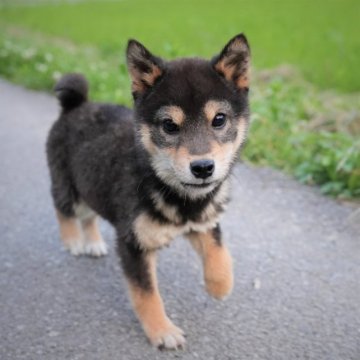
column 296, row 256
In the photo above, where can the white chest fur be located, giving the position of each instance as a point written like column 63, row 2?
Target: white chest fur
column 153, row 234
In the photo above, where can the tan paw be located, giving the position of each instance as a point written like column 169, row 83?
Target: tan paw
column 170, row 337
column 220, row 288
column 96, row 249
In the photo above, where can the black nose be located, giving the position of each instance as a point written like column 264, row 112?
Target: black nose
column 202, row 169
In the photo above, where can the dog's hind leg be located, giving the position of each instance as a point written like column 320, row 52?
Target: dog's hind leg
column 71, row 234
column 78, row 226
column 63, row 191
column 65, row 197
column 81, row 235
column 217, row 262
column 140, row 269
column 94, row 244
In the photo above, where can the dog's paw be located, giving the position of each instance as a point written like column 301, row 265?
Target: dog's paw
column 170, row 338
column 96, row 249
column 219, row 289
column 75, row 247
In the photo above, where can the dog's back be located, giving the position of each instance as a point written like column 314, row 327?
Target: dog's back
column 83, row 120
column 83, row 137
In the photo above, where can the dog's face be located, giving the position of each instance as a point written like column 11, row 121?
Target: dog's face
column 192, row 114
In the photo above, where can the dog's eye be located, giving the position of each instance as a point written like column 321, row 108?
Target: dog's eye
column 170, row 127
column 219, row 121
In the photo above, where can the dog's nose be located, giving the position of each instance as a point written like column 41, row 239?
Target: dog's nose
column 202, row 169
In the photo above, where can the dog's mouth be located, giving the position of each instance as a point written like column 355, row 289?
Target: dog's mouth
column 199, row 186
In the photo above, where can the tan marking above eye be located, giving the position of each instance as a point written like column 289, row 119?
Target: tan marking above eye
column 214, row 107
column 172, row 112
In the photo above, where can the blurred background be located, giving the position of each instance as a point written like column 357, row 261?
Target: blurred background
column 305, row 94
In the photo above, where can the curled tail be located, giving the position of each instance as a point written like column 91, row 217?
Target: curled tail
column 72, row 91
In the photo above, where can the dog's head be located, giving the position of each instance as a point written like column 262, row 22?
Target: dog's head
column 192, row 114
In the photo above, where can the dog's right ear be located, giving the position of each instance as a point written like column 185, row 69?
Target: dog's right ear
column 144, row 68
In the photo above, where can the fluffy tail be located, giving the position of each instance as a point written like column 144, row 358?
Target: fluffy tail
column 72, row 91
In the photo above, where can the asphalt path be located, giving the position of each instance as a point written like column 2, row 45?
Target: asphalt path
column 296, row 258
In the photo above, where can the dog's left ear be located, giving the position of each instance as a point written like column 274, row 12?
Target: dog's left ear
column 144, row 68
column 233, row 63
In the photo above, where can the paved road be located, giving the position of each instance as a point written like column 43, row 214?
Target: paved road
column 297, row 265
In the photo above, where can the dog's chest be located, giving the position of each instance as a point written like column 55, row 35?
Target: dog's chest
column 153, row 233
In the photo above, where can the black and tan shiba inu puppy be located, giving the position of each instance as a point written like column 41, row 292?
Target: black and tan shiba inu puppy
column 154, row 173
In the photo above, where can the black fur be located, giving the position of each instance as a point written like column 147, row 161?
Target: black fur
column 217, row 234
column 134, row 262
column 94, row 152
column 72, row 91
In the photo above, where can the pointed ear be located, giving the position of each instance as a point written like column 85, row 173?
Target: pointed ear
column 233, row 63
column 144, row 68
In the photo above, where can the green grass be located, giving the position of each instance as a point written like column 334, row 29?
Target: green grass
column 320, row 37
column 297, row 126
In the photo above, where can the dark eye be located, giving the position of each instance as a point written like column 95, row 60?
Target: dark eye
column 219, row 121
column 170, row 127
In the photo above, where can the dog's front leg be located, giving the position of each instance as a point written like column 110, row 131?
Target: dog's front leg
column 140, row 269
column 217, row 261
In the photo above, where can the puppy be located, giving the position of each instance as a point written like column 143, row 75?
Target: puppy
column 155, row 172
